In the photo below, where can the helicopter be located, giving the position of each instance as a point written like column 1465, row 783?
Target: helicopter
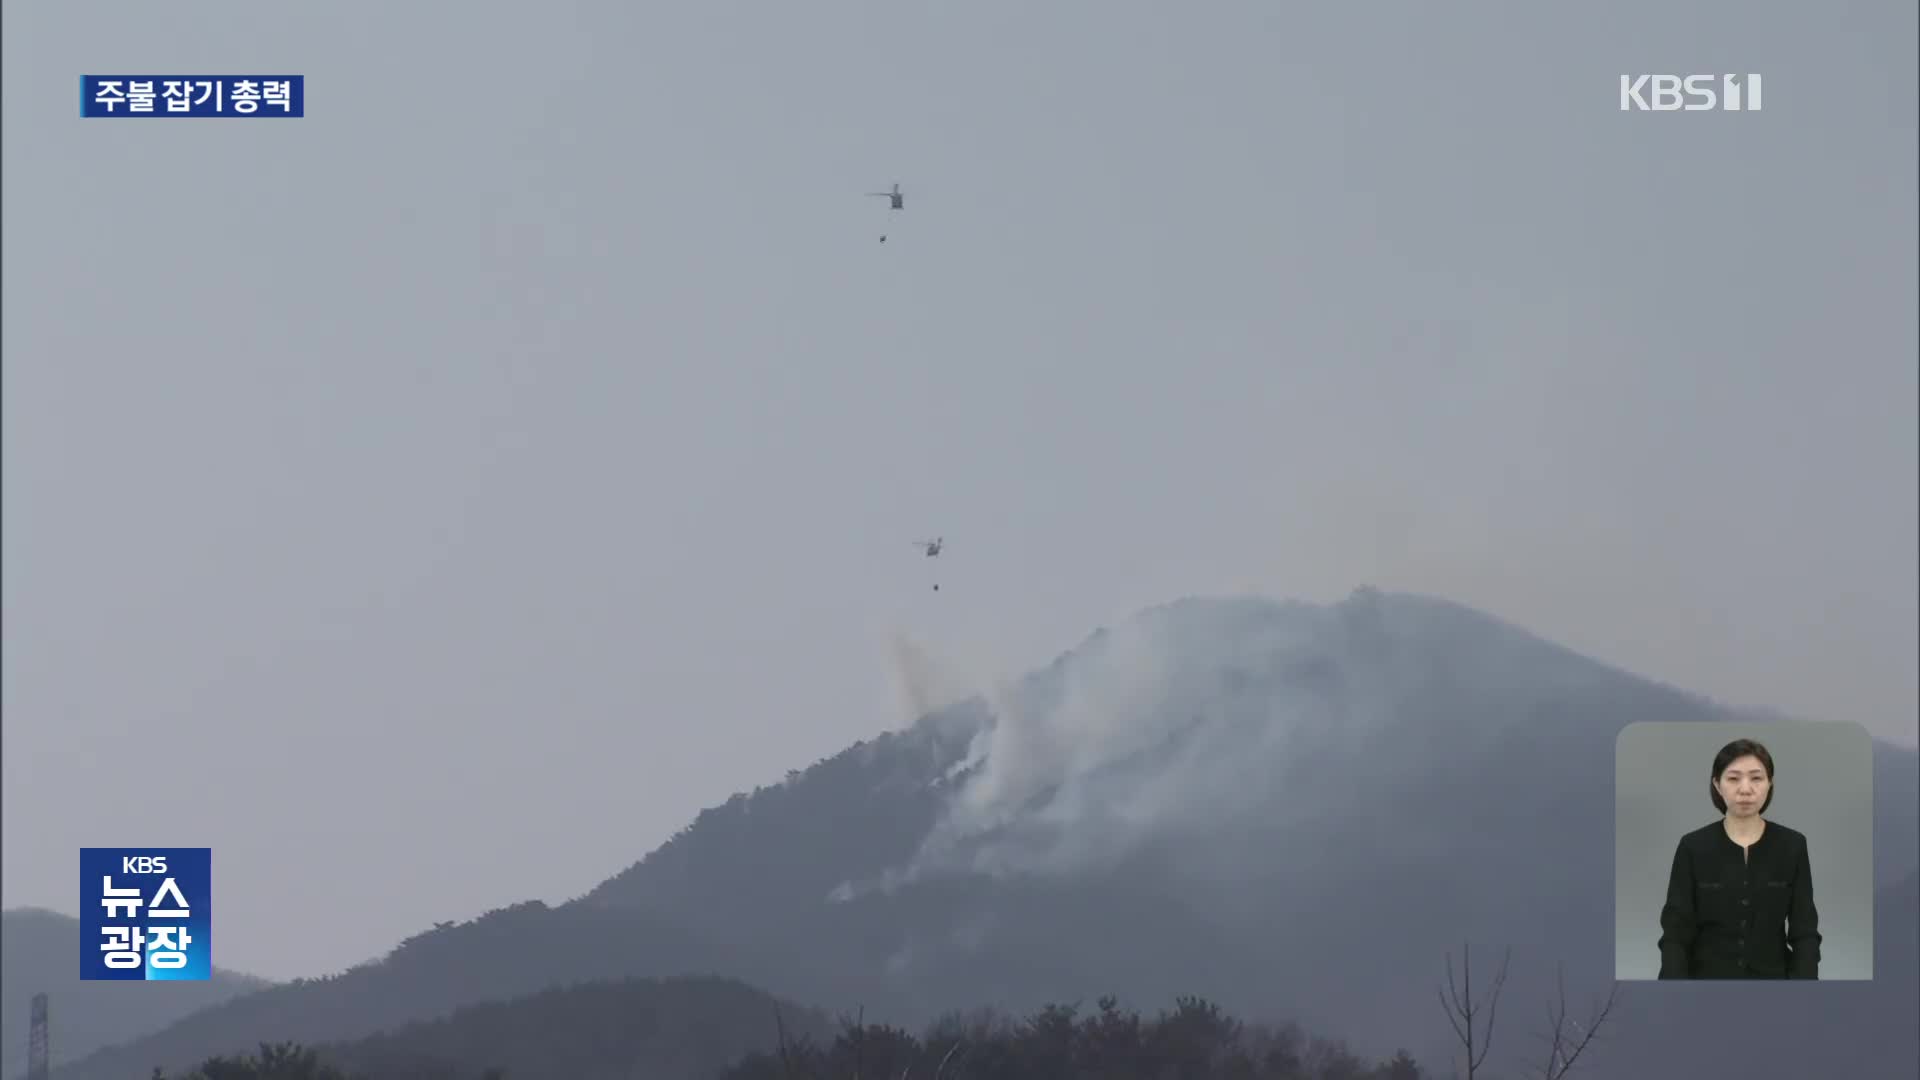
column 895, row 201
column 932, row 546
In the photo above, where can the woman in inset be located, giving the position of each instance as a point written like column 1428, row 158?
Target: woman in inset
column 1740, row 896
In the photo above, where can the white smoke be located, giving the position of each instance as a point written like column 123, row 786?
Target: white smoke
column 1141, row 740
column 1037, row 760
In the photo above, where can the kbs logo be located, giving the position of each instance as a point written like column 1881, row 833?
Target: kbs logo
column 146, row 914
column 1691, row 93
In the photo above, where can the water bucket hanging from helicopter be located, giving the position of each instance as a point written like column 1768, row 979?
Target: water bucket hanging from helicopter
column 932, row 548
column 895, row 202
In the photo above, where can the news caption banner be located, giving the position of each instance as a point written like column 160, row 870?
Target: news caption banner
column 146, row 914
column 191, row 96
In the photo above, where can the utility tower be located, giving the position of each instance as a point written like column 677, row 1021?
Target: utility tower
column 37, row 1040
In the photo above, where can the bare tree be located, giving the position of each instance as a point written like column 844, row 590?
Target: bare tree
column 941, row 1069
column 859, row 1041
column 780, row 1028
column 1461, row 1009
column 1567, row 1038
column 938, row 1070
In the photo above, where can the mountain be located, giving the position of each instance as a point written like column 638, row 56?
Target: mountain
column 692, row 1028
column 503, row 955
column 1298, row 811
column 40, row 953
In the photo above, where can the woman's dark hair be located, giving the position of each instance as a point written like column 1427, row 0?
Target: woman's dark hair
column 1731, row 753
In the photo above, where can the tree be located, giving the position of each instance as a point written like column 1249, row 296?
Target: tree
column 1567, row 1039
column 275, row 1061
column 1402, row 1067
column 1461, row 1009
column 1195, row 1040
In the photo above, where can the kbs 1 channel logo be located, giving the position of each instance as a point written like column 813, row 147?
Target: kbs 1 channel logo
column 1690, row 93
column 146, row 914
column 192, row 96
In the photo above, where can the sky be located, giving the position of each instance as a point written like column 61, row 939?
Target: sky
column 433, row 502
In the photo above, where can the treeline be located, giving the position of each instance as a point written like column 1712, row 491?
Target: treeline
column 1194, row 1040
column 720, row 1029
column 677, row 1026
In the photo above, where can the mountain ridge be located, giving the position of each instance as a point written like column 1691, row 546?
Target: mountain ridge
column 40, row 953
column 1324, row 732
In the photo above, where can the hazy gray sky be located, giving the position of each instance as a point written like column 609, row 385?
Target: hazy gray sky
column 434, row 502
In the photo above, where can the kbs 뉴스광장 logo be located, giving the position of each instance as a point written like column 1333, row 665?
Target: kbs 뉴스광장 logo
column 146, row 914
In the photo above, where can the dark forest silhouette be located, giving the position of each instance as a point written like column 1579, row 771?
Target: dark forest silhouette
column 703, row 1029
column 1194, row 1039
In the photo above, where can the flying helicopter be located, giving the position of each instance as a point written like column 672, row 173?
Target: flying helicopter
column 895, row 201
column 932, row 548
